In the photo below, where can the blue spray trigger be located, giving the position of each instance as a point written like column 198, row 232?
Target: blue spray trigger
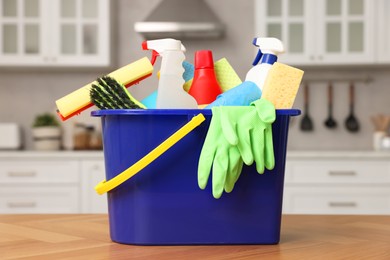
column 269, row 58
column 258, row 57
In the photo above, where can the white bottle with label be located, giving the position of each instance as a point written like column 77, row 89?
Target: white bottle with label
column 269, row 49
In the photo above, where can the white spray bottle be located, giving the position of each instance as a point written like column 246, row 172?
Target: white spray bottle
column 170, row 92
column 269, row 49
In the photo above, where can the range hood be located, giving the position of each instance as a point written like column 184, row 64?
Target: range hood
column 181, row 19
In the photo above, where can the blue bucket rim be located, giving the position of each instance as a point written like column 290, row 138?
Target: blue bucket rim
column 118, row 112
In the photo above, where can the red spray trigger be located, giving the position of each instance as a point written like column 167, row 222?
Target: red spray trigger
column 144, row 45
column 154, row 56
column 154, row 53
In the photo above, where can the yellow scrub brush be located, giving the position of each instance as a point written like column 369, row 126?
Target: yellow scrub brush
column 108, row 93
column 79, row 100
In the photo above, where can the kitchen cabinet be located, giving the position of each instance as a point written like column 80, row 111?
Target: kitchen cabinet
column 39, row 186
column 337, row 184
column 93, row 172
column 383, row 29
column 324, row 32
column 315, row 182
column 60, row 33
column 51, row 182
column 28, row 199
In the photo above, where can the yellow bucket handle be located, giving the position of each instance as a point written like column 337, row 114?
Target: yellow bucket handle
column 105, row 186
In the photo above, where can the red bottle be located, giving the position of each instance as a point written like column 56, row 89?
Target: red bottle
column 205, row 87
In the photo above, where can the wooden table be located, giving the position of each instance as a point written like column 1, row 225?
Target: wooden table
column 87, row 237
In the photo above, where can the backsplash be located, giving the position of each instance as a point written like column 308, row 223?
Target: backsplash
column 370, row 99
column 24, row 93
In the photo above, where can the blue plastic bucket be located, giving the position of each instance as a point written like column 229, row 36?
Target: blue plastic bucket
column 163, row 205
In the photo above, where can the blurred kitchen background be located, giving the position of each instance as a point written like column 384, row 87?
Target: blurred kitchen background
column 30, row 83
column 51, row 48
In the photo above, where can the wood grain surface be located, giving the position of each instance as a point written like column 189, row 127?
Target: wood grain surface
column 87, row 237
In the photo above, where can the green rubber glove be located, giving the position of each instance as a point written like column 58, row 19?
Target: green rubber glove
column 236, row 135
column 219, row 155
column 252, row 134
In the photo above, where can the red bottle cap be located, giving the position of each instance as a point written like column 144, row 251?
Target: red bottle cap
column 204, row 59
column 205, row 87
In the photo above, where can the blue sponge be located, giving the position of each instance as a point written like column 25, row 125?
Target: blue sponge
column 150, row 101
column 242, row 95
column 188, row 71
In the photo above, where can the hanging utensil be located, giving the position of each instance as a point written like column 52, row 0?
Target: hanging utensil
column 330, row 122
column 306, row 123
column 351, row 122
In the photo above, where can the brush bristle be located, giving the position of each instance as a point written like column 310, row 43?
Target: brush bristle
column 97, row 98
column 110, row 94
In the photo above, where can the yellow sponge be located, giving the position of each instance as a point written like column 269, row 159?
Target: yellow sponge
column 225, row 74
column 79, row 99
column 187, row 85
column 281, row 85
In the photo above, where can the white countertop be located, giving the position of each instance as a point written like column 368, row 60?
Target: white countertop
column 291, row 154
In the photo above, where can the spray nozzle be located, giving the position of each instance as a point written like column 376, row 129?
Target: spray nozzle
column 269, row 48
column 158, row 47
column 258, row 57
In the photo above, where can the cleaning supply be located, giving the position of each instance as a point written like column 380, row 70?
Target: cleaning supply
column 189, row 70
column 282, row 84
column 170, row 86
column 253, row 134
column 246, row 130
column 79, row 100
column 205, row 87
column 269, row 49
column 110, row 94
column 163, row 205
column 241, row 95
column 217, row 154
column 225, row 74
column 151, row 100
